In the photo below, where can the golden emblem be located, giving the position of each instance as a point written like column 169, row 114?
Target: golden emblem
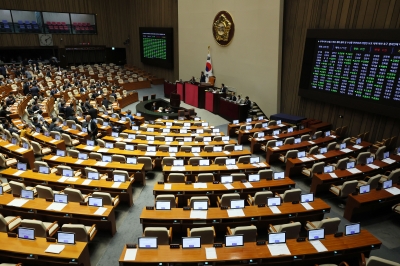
column 223, row 28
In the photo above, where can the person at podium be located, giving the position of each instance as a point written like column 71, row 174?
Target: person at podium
column 239, row 100
column 154, row 107
column 233, row 97
column 202, row 77
column 223, row 88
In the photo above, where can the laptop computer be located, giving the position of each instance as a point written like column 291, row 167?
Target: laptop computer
column 275, row 132
column 105, row 124
column 316, row 234
column 235, row 122
column 358, row 141
column 264, row 125
column 386, row 155
column 237, row 204
column 226, row 179
column 183, row 131
column 352, row 229
column 147, row 242
column 277, row 238
column 150, row 129
column 279, row 175
column 204, row 124
column 96, row 202
column 83, row 156
column 44, row 170
column 230, row 162
column 305, row 198
column 199, row 131
column 26, row 233
column 248, row 120
column 254, row 159
column 274, row 201
column 260, row 117
column 370, row 160
column 14, row 141
column 278, row 122
column 151, row 148
column 84, row 129
column 342, row 146
column 61, row 198
column 93, row 176
column 21, row 166
column 131, row 160
column 215, row 130
column 191, row 242
column 106, row 158
column 200, row 205
column 65, row 238
column 238, row 148
column 207, row 139
column 179, row 162
column 260, row 134
column 169, row 139
column 204, row 162
column 364, row 189
column 119, row 178
column 254, row 177
column 27, row 194
column 57, row 137
column 290, row 130
column 234, row 240
column 225, row 138
column 327, row 133
column 60, row 153
column 163, row 205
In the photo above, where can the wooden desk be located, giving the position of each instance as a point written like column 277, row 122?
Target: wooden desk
column 48, row 141
column 232, row 111
column 32, row 251
column 190, row 170
column 21, row 154
column 339, row 249
column 172, row 134
column 274, row 152
column 184, row 192
column 136, row 169
column 30, row 178
column 294, row 166
column 324, row 126
column 231, row 128
column 179, row 219
column 73, row 212
column 322, row 182
column 244, row 135
column 125, row 101
column 257, row 142
column 180, row 121
column 369, row 202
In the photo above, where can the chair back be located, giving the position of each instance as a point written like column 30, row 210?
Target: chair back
column 142, row 147
column 347, row 188
column 331, row 146
column 161, row 233
column 220, row 160
column 16, row 187
column 40, row 229
column 90, row 170
column 148, row 165
column 313, row 150
column 291, row 195
column 118, row 158
column 342, row 163
column 60, row 168
column 96, row 156
column 195, row 160
column 44, row 192
column 330, row 225
column 373, row 181
column 270, row 143
column 176, row 178
column 3, row 224
column 123, row 173
column 74, row 195
column 73, row 153
column 186, row 148
column 292, row 230
column 266, row 174
column 317, row 134
column 261, row 197
column 394, row 175
column 197, row 199
column 226, row 198
column 37, row 164
column 168, row 160
column 317, row 168
column 101, row 143
column 107, row 199
column 249, row 233
column 379, row 152
column 80, row 231
column 376, row 261
column 362, row 157
column 37, row 149
column 305, row 137
column 169, row 197
column 289, row 141
column 120, row 145
column 206, row 234
column 244, row 159
column 238, row 176
column 205, row 177
column 291, row 154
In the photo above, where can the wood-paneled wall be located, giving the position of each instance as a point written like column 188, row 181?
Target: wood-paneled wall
column 300, row 15
column 111, row 22
column 153, row 13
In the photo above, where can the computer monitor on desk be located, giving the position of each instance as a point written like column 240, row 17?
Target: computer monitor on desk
column 61, row 198
column 237, row 204
column 200, row 205
column 93, row 176
column 179, row 162
column 279, row 175
column 234, row 240
column 163, row 205
column 96, row 202
column 316, row 234
column 21, row 166
column 352, row 229
column 191, row 242
column 147, row 242
column 276, row 238
column 65, row 238
column 305, row 198
column 26, row 233
column 226, row 179
column 274, row 201
column 204, row 162
column 254, row 177
column 27, row 194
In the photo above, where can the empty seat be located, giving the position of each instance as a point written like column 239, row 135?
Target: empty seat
column 316, row 168
column 148, row 163
column 290, row 195
column 75, row 195
column 82, row 233
column 163, row 234
column 259, row 198
column 169, row 197
column 9, row 223
column 372, row 181
column 107, row 199
column 206, row 234
column 176, row 178
column 197, row 199
column 249, row 232
column 16, row 188
column 330, row 225
column 205, row 177
column 118, row 158
column 45, row 192
column 344, row 190
column 244, row 159
column 266, row 174
column 289, row 154
column 225, row 199
column 42, row 229
column 393, row 175
column 291, row 229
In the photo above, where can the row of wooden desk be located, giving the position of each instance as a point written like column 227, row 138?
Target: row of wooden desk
column 338, row 249
column 244, row 135
column 14, row 151
column 172, row 134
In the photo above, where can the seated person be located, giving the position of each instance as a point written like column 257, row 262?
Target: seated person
column 73, row 117
column 26, row 131
column 105, row 102
column 10, row 100
column 129, row 114
column 10, row 127
column 239, row 100
column 233, row 97
column 168, row 109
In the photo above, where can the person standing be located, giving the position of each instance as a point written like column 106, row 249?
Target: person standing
column 202, row 77
column 92, row 127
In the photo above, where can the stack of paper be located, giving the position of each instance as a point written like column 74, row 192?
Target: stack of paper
column 357, row 147
column 200, row 185
column 130, row 254
column 311, row 142
column 232, row 167
column 196, row 154
column 53, row 140
column 393, row 190
column 86, row 182
column 101, row 163
column 333, row 175
column 17, row 202
column 275, row 209
column 248, row 185
column 20, row 150
column 275, row 148
column 100, row 211
column 79, row 161
column 319, row 156
column 373, row 166
column 56, row 249
column 388, row 161
column 72, row 179
column 178, row 168
column 56, row 206
column 228, row 186
column 116, row 184
column 354, row 170
column 172, row 154
column 347, row 150
column 305, row 159
column 235, row 212
column 89, row 148
column 307, row 206
column 196, row 214
column 63, row 179
column 211, row 254
column 227, row 152
column 318, row 246
column 278, row 249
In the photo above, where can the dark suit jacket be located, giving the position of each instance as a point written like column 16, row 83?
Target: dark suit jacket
column 105, row 103
column 93, row 113
column 203, row 78
column 68, row 111
column 233, row 98
column 93, row 127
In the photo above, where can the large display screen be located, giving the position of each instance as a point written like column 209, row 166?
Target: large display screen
column 156, row 46
column 353, row 68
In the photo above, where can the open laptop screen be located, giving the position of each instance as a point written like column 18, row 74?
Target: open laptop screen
column 90, row 143
column 129, row 147
column 234, row 240
column 96, row 202
column 151, row 148
column 150, row 138
column 199, row 131
column 225, row 138
column 279, row 143
column 207, row 139
column 191, row 242
column 235, row 122
column 342, row 146
column 173, row 149
column 323, row 150
column 301, row 154
column 106, row 158
column 352, row 229
column 65, row 237
column 350, row 165
column 316, row 234
column 114, row 134
column 147, row 242
column 328, row 169
column 370, row 160
column 358, row 141
column 277, row 238
column 238, row 148
column 109, row 145
column 187, row 139
column 26, row 233
column 131, row 136
column 195, row 149
column 290, row 129
column 248, row 120
column 217, row 148
column 297, row 140
column 1, row 190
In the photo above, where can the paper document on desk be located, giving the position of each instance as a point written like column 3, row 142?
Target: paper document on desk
column 17, row 202
column 150, row 142
column 56, row 206
column 100, row 211
column 130, row 254
column 89, row 148
column 311, row 142
column 86, row 182
column 206, row 142
column 333, row 175
column 55, row 157
column 357, row 147
column 181, row 142
column 347, row 150
column 248, row 185
column 150, row 153
column 164, row 134
column 9, row 145
column 101, row 163
column 195, row 214
column 275, row 209
column 228, row 186
column 226, row 142
column 246, row 131
column 262, row 165
column 211, row 254
column 168, row 143
column 276, row 137
column 333, row 136
column 196, row 154
column 319, row 156
column 178, row 168
column 63, row 179
column 393, row 190
column 226, row 152
column 388, row 161
column 200, row 185
column 373, row 166
column 167, row 186
column 102, row 150
column 354, row 170
column 275, row 148
column 72, row 179
column 318, row 246
column 81, row 133
column 235, row 212
column 278, row 249
column 20, row 150
column 53, row 141
column 232, row 167
column 305, row 159
column 56, row 249
column 79, row 161
column 19, row 172
column 35, row 134
column 116, row 184
column 307, row 206
column 172, row 154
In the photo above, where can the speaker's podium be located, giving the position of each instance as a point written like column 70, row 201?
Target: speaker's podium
column 175, row 101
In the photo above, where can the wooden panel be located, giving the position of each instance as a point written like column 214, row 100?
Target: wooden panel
column 333, row 14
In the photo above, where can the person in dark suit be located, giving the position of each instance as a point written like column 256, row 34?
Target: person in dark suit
column 92, row 112
column 233, row 97
column 69, row 110
column 3, row 71
column 105, row 102
column 247, row 102
column 92, row 127
column 34, row 90
column 223, row 88
column 202, row 77
column 62, row 109
column 154, row 107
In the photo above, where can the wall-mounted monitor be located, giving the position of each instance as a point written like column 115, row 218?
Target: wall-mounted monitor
column 156, row 46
